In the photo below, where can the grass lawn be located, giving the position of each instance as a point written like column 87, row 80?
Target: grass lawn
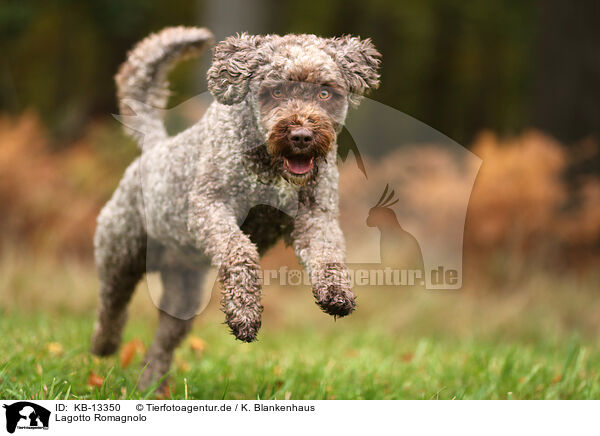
column 536, row 339
column 46, row 357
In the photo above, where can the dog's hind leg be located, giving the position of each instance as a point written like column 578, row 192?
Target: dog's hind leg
column 181, row 298
column 120, row 249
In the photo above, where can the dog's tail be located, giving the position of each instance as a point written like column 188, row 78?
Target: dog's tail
column 142, row 86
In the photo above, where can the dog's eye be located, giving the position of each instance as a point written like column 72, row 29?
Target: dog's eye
column 324, row 94
column 276, row 93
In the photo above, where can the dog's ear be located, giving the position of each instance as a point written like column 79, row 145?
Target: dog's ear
column 359, row 61
column 234, row 61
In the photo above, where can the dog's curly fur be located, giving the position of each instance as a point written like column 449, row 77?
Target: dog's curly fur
column 190, row 201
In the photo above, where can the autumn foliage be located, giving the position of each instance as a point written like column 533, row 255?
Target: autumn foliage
column 523, row 205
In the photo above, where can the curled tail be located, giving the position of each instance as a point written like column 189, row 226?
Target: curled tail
column 142, row 86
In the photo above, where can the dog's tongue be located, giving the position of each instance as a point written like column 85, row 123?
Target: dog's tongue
column 299, row 164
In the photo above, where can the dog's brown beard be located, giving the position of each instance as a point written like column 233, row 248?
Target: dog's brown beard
column 299, row 164
column 322, row 128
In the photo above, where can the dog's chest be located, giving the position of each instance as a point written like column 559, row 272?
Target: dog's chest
column 275, row 192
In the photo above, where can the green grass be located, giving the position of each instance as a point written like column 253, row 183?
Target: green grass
column 298, row 363
column 530, row 339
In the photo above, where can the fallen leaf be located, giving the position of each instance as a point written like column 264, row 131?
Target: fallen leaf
column 129, row 350
column 94, row 380
column 407, row 357
column 54, row 348
column 183, row 365
column 556, row 378
column 197, row 344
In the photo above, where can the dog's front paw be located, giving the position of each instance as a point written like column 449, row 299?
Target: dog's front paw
column 332, row 290
column 241, row 300
column 245, row 323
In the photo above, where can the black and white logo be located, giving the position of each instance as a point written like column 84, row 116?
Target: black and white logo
column 26, row 415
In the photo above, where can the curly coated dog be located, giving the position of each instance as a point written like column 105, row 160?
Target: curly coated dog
column 259, row 165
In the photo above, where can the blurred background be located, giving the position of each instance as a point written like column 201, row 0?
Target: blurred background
column 516, row 82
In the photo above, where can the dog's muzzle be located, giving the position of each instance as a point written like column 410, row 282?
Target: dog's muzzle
column 297, row 145
column 301, row 139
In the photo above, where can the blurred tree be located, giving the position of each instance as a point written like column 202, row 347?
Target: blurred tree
column 567, row 78
column 60, row 56
column 458, row 66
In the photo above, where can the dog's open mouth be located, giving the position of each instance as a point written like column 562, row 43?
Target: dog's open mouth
column 298, row 165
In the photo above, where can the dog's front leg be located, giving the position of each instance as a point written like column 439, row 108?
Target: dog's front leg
column 320, row 247
column 219, row 236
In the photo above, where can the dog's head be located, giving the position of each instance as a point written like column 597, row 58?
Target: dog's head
column 299, row 88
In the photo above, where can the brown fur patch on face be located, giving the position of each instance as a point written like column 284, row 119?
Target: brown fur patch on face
column 324, row 134
column 296, row 97
column 286, row 105
column 304, row 74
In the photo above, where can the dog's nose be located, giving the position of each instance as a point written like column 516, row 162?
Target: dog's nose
column 300, row 136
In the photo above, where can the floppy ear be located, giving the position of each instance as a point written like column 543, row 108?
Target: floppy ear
column 234, row 61
column 359, row 61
